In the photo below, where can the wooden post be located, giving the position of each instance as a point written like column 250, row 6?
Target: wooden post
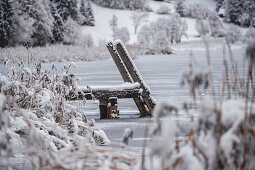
column 103, row 109
column 126, row 76
column 135, row 75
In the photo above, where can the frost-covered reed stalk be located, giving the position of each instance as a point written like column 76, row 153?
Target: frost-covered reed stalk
column 41, row 130
column 223, row 134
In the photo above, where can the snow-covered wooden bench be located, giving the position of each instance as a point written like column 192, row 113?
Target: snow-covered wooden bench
column 129, row 72
column 134, row 86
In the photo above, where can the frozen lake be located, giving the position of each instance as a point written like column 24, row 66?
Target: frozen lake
column 161, row 72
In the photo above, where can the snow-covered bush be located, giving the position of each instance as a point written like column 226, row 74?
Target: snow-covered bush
column 113, row 23
column 122, row 34
column 233, row 34
column 43, row 129
column 197, row 11
column 164, row 31
column 147, row 8
column 71, row 32
column 119, row 33
column 163, row 9
column 249, row 35
column 160, row 39
column 138, row 18
column 144, row 35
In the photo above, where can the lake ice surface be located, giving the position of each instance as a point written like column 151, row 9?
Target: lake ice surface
column 162, row 73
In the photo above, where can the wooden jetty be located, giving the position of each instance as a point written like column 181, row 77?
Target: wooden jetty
column 134, row 86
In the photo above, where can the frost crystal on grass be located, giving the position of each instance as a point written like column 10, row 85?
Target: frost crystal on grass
column 37, row 122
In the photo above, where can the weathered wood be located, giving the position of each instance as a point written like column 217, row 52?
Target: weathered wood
column 135, row 75
column 118, row 62
column 103, row 109
column 113, row 111
column 126, row 76
column 104, row 94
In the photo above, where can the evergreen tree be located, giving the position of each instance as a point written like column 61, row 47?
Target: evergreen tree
column 58, row 25
column 43, row 24
column 241, row 12
column 33, row 22
column 71, row 32
column 24, row 21
column 117, row 4
column 67, row 8
column 179, row 8
column 87, row 12
column 219, row 5
column 6, row 22
column 122, row 4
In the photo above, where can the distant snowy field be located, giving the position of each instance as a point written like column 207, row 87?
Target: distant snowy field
column 102, row 30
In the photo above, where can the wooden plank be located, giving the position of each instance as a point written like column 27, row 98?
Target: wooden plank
column 104, row 94
column 135, row 75
column 118, row 62
column 126, row 76
column 103, row 109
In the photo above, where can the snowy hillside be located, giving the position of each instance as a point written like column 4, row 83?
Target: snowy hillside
column 102, row 30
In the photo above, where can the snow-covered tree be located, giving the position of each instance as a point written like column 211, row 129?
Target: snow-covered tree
column 71, row 32
column 215, row 25
column 179, row 7
column 42, row 33
column 136, row 4
column 113, row 23
column 138, row 18
column 122, row 4
column 164, row 31
column 178, row 28
column 122, row 34
column 197, row 11
column 144, row 35
column 58, row 25
column 33, row 22
column 219, row 4
column 23, row 21
column 234, row 10
column 202, row 27
column 67, row 8
column 240, row 12
column 87, row 12
column 6, row 22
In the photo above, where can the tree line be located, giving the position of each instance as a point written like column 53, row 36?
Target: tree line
column 240, row 12
column 40, row 22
